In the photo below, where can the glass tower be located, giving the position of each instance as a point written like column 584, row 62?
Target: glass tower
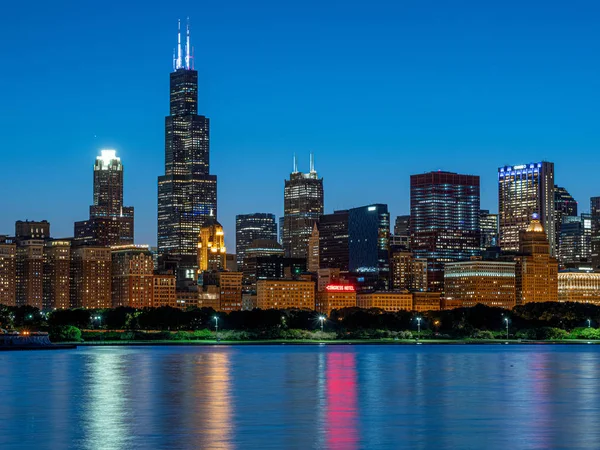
column 248, row 228
column 187, row 192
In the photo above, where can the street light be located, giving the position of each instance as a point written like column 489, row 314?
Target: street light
column 506, row 320
column 216, row 324
column 322, row 319
column 589, row 323
column 99, row 319
column 419, row 326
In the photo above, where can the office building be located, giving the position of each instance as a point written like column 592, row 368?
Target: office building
column 491, row 283
column 230, row 291
column 8, row 272
column 164, row 290
column 426, row 301
column 595, row 239
column 335, row 296
column 302, row 206
column 444, row 220
column 390, row 301
column 132, row 276
column 57, row 274
column 524, row 190
column 326, row 277
column 31, row 229
column 368, row 242
column 401, row 237
column 30, row 273
column 312, row 260
column 187, row 192
column 408, row 272
column 565, row 207
column 263, row 260
column 110, row 222
column 250, row 227
column 579, row 286
column 91, row 277
column 575, row 239
column 333, row 241
column 536, row 271
column 488, row 225
column 285, row 294
column 211, row 247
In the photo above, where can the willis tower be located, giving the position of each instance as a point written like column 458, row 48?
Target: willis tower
column 187, row 192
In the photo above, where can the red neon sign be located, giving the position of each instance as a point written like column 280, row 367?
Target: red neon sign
column 339, row 287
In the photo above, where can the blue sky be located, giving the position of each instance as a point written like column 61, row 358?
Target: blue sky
column 377, row 90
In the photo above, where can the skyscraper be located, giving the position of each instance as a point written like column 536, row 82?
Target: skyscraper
column 488, row 224
column 564, row 206
column 211, row 247
column 333, row 241
column 401, row 238
column 444, row 220
column 187, row 192
column 302, row 205
column 595, row 213
column 524, row 190
column 575, row 239
column 248, row 228
column 110, row 222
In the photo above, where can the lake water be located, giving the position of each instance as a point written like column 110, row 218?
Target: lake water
column 301, row 397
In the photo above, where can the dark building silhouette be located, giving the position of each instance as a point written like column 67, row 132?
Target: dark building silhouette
column 488, row 225
column 595, row 213
column 575, row 239
column 31, row 229
column 564, row 206
column 187, row 192
column 250, row 227
column 110, row 222
column 401, row 237
column 444, row 211
column 333, row 241
column 302, row 205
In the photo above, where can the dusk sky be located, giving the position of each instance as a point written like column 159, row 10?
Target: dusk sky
column 378, row 90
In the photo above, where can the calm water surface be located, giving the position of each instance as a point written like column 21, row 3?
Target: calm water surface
column 301, row 397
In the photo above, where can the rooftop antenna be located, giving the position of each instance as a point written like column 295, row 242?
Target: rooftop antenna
column 295, row 164
column 174, row 60
column 187, row 45
column 312, row 162
column 178, row 64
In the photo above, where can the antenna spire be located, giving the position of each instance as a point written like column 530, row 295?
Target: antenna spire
column 187, row 45
column 178, row 64
column 312, row 162
column 295, row 164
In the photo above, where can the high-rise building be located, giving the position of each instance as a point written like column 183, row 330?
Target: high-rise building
column 579, row 286
column 30, row 272
column 536, row 271
column 524, row 190
column 230, row 291
column 91, row 277
column 110, row 222
column 368, row 242
column 263, row 260
column 248, row 228
column 302, row 206
column 132, row 276
column 211, row 247
column 312, row 260
column 575, row 239
column 595, row 213
column 491, row 283
column 8, row 272
column 57, row 274
column 401, row 237
column 187, row 192
column 408, row 272
column 333, row 241
column 564, row 206
column 444, row 220
column 164, row 290
column 488, row 225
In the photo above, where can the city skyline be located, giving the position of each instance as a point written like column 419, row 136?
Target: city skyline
column 271, row 149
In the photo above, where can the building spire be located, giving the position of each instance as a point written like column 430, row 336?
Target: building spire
column 187, row 46
column 295, row 165
column 312, row 162
column 178, row 64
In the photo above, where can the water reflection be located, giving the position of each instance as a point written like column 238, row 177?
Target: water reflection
column 341, row 416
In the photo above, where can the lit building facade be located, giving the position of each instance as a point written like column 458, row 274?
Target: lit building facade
column 565, row 207
column 57, row 274
column 132, row 273
column 91, row 277
column 575, row 239
column 211, row 247
column 187, row 192
column 30, row 273
column 333, row 241
column 444, row 220
column 426, row 301
column 335, row 296
column 408, row 272
column 312, row 260
column 390, row 301
column 401, row 237
column 595, row 239
column 369, row 242
column 524, row 190
column 302, row 206
column 491, row 283
column 536, row 271
column 285, row 294
column 488, row 224
column 230, row 291
column 110, row 222
column 579, row 286
column 164, row 290
column 250, row 227
column 8, row 272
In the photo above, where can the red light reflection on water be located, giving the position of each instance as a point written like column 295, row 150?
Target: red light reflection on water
column 341, row 401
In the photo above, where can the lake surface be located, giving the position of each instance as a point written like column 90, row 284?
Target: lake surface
column 301, row 397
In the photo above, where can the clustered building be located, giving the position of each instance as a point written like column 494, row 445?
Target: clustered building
column 447, row 253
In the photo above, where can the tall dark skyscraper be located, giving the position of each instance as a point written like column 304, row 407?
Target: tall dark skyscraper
column 250, row 227
column 110, row 222
column 595, row 213
column 302, row 206
column 444, row 220
column 187, row 192
column 524, row 190
column 401, row 237
column 488, row 224
column 564, row 206
column 333, row 241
